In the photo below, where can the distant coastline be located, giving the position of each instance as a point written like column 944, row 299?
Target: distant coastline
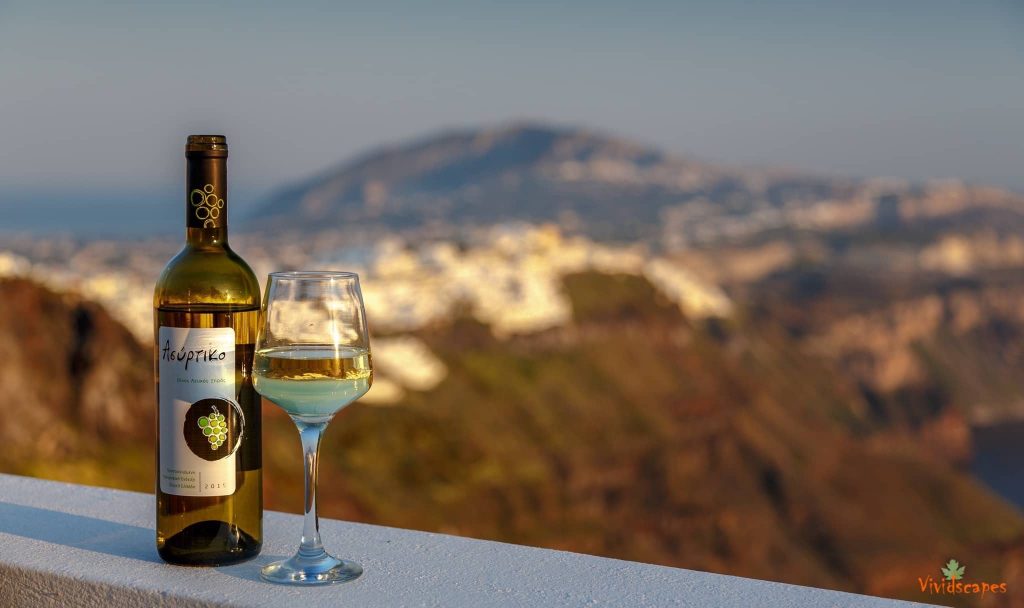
column 88, row 216
column 91, row 214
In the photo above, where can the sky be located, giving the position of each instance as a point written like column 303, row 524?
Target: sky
column 96, row 99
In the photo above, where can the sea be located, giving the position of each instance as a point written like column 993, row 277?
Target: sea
column 999, row 459
column 90, row 215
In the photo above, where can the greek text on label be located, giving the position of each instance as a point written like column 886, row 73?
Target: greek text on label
column 188, row 356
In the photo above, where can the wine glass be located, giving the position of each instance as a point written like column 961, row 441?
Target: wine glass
column 312, row 359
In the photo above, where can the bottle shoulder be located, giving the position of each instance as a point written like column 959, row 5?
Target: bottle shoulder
column 207, row 276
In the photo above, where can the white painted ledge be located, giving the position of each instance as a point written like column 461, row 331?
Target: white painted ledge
column 70, row 545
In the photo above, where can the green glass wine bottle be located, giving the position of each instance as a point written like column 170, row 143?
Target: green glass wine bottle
column 209, row 490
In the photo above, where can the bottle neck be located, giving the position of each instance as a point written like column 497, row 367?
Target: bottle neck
column 206, row 237
column 206, row 196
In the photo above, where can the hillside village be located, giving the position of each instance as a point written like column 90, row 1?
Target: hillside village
column 508, row 277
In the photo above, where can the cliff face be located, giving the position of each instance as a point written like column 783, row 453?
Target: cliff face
column 919, row 349
column 74, row 380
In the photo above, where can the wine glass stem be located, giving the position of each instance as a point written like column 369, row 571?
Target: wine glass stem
column 310, row 435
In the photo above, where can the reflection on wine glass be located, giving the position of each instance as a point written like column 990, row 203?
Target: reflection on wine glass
column 312, row 359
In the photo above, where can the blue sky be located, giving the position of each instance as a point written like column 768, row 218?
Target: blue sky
column 99, row 97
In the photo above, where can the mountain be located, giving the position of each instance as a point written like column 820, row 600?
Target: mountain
column 604, row 186
column 633, row 432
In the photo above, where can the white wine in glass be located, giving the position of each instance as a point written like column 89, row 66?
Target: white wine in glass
column 313, row 381
column 312, row 359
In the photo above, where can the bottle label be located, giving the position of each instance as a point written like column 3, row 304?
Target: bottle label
column 201, row 423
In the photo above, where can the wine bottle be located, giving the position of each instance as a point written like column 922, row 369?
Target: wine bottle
column 209, row 494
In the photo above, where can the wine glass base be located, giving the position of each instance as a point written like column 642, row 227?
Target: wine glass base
column 323, row 570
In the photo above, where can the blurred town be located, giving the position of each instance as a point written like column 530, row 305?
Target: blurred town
column 509, row 277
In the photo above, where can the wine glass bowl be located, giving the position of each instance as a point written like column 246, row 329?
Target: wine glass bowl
column 312, row 359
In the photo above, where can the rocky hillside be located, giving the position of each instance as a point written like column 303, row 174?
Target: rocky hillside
column 633, row 432
column 75, row 382
column 916, row 337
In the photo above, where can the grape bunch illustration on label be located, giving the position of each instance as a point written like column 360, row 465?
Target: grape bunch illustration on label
column 207, row 205
column 214, row 428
